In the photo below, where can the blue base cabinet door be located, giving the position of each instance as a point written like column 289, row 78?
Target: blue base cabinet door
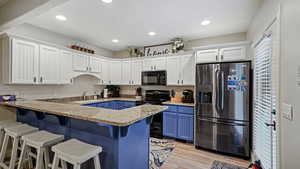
column 185, row 127
column 170, row 124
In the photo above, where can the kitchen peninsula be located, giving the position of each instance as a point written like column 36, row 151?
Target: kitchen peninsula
column 123, row 134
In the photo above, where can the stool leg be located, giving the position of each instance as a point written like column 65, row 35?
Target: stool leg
column 55, row 162
column 2, row 134
column 30, row 162
column 46, row 156
column 4, row 148
column 39, row 159
column 14, row 153
column 64, row 164
column 97, row 162
column 22, row 156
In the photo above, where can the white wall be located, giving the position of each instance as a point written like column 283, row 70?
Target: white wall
column 34, row 32
column 290, row 61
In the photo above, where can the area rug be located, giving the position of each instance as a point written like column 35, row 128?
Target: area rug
column 222, row 165
column 159, row 152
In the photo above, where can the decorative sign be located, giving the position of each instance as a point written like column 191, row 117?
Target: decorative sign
column 158, row 50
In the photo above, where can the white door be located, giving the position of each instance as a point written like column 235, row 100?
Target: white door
column 148, row 64
column 233, row 53
column 105, row 75
column 205, row 56
column 80, row 62
column 115, row 72
column 49, row 65
column 188, row 67
column 265, row 103
column 95, row 65
column 159, row 63
column 66, row 66
column 136, row 72
column 126, row 72
column 173, row 70
column 24, row 62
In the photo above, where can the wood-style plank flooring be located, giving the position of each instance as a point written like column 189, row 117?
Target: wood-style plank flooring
column 185, row 156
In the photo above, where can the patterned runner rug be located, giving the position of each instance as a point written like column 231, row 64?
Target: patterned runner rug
column 222, row 165
column 159, row 152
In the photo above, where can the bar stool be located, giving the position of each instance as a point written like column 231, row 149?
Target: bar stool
column 3, row 125
column 15, row 133
column 75, row 152
column 41, row 141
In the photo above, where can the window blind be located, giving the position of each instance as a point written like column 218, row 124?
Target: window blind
column 264, row 103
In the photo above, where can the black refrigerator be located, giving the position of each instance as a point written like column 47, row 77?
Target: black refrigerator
column 223, row 92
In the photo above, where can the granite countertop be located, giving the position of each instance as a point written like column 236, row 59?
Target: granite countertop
column 181, row 104
column 103, row 100
column 123, row 117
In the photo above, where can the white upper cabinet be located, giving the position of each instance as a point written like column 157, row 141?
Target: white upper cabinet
column 181, row 70
column 205, row 56
column 95, row 65
column 115, row 72
column 105, row 74
column 49, row 65
column 153, row 64
column 188, row 70
column 136, row 72
column 233, row 53
column 24, row 62
column 80, row 62
column 66, row 70
column 173, row 70
column 126, row 72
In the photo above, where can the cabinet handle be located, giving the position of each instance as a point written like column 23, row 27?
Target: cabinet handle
column 181, row 81
column 87, row 68
column 41, row 79
column 177, row 81
column 154, row 67
column 216, row 57
column 129, row 82
column 222, row 57
column 132, row 82
column 34, row 79
column 151, row 67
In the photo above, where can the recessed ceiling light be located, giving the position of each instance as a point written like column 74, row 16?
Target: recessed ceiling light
column 61, row 17
column 151, row 33
column 107, row 1
column 115, row 40
column 205, row 22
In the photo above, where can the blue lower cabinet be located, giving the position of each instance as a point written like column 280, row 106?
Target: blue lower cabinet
column 185, row 127
column 170, row 124
column 178, row 122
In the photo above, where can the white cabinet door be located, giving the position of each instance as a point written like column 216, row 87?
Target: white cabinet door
column 159, row 63
column 136, row 72
column 126, row 72
column 115, row 72
column 147, row 65
column 49, row 65
column 95, row 65
column 188, row 67
column 24, row 62
column 80, row 62
column 233, row 53
column 205, row 56
column 66, row 66
column 105, row 75
column 173, row 70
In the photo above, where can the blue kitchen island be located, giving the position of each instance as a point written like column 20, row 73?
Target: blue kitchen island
column 123, row 133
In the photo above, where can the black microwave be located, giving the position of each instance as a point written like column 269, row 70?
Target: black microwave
column 154, row 78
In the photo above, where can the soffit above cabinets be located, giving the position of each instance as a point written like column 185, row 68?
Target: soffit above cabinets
column 130, row 21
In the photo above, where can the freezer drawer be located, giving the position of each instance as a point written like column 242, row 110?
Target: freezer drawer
column 232, row 138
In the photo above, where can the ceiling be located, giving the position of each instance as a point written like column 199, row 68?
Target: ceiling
column 131, row 20
column 2, row 2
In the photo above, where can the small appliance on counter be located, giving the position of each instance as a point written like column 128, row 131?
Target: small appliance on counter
column 112, row 91
column 188, row 96
column 7, row 98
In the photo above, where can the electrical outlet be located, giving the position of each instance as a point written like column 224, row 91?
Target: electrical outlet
column 287, row 111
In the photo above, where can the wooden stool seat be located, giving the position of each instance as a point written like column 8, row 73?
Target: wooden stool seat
column 20, row 130
column 76, row 153
column 3, row 125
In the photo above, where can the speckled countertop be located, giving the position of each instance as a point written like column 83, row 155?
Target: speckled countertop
column 180, row 104
column 123, row 117
column 103, row 100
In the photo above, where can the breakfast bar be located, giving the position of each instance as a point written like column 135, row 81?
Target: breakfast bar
column 124, row 134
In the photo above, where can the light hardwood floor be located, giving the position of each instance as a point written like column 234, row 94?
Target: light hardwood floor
column 185, row 156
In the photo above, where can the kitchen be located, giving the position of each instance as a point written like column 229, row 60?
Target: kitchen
column 186, row 95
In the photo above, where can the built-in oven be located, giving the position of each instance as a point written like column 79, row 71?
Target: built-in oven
column 154, row 78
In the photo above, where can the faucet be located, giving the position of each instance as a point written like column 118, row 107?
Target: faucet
column 84, row 95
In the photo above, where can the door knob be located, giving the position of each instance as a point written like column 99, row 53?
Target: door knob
column 272, row 125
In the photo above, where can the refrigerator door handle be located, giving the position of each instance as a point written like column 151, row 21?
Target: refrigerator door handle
column 216, row 90
column 222, row 89
column 223, row 123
